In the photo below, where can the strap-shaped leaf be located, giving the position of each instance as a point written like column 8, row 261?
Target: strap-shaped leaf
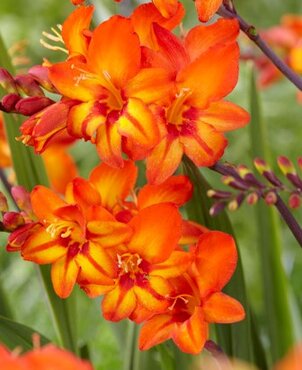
column 13, row 334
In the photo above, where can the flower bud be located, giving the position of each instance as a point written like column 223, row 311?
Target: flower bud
column 270, row 198
column 286, row 165
column 252, row 198
column 22, row 198
column 218, row 194
column 40, row 74
column 217, row 208
column 234, row 183
column 300, row 162
column 12, row 220
column 3, row 203
column 294, row 200
column 33, row 104
column 236, row 203
column 9, row 101
column 26, row 84
column 261, row 165
column 7, row 81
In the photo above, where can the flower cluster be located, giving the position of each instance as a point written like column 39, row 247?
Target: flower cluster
column 136, row 91
column 132, row 87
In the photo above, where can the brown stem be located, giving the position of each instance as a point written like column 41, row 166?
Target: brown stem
column 253, row 35
column 280, row 205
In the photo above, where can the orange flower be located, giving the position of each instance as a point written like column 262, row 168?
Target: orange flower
column 167, row 8
column 143, row 265
column 292, row 361
column 106, row 114
column 48, row 357
column 197, row 298
column 68, row 238
column 5, row 160
column 196, row 116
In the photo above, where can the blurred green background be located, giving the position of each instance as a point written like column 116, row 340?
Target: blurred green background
column 25, row 20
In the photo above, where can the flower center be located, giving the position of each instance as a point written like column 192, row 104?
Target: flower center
column 174, row 113
column 66, row 229
column 129, row 263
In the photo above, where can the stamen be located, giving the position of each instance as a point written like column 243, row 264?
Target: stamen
column 174, row 113
column 181, row 297
column 56, row 37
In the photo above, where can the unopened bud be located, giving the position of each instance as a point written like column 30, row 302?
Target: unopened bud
column 40, row 74
column 26, row 84
column 12, row 220
column 217, row 208
column 7, row 81
column 286, row 165
column 270, row 198
column 9, row 101
column 294, row 200
column 218, row 194
column 242, row 170
column 3, row 203
column 22, row 198
column 252, row 198
column 236, row 203
column 234, row 183
column 261, row 165
column 33, row 104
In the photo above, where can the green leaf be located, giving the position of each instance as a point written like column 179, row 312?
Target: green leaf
column 237, row 340
column 276, row 289
column 30, row 171
column 13, row 335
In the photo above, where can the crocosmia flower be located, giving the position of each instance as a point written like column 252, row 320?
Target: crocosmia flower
column 197, row 300
column 207, row 8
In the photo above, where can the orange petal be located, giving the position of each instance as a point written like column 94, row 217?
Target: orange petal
column 191, row 232
column 216, row 259
column 217, row 71
column 167, row 8
column 119, row 303
column 295, row 58
column 156, row 231
column 170, row 46
column 202, row 143
column 93, row 290
column 151, row 294
column 164, row 159
column 64, row 273
column 84, row 119
column 114, row 184
column 45, row 202
column 155, row 331
column 225, row 116
column 138, row 123
column 175, row 265
column 115, row 50
column 146, row 14
column 109, row 233
column 152, row 85
column 97, row 267
column 201, row 38
column 109, row 144
column 177, row 190
column 76, row 81
column 191, row 335
column 41, row 248
column 61, row 175
column 84, row 194
column 72, row 31
column 223, row 309
column 207, row 8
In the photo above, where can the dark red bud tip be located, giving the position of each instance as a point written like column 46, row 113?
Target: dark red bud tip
column 270, row 198
column 286, row 165
column 300, row 162
column 9, row 101
column 32, row 105
column 12, row 220
column 252, row 198
column 26, row 84
column 294, row 200
column 7, row 81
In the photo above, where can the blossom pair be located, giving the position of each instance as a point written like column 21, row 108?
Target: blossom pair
column 132, row 87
